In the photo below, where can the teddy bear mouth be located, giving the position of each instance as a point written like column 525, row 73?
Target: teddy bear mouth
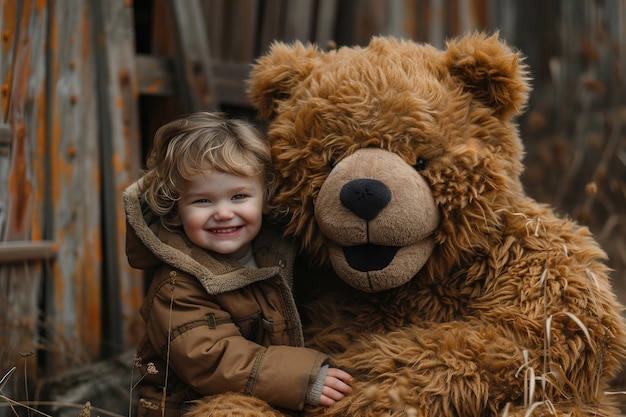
column 369, row 257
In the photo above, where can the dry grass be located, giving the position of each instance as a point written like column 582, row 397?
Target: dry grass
column 31, row 408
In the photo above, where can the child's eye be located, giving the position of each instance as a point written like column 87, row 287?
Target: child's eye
column 202, row 201
column 239, row 197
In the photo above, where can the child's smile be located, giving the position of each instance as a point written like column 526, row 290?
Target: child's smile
column 222, row 212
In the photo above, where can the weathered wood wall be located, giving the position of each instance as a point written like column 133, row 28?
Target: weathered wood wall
column 70, row 141
column 85, row 83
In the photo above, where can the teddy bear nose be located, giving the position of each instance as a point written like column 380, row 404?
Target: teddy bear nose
column 365, row 197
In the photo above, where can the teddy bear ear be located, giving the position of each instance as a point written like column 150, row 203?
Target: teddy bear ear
column 491, row 71
column 274, row 75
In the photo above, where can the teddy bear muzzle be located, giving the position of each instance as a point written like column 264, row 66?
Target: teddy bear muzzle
column 377, row 215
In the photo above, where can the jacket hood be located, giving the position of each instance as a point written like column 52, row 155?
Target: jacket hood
column 149, row 245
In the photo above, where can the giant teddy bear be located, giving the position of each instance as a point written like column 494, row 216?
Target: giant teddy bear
column 432, row 277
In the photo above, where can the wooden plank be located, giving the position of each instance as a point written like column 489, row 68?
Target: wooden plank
column 230, row 83
column 25, row 117
column 228, row 73
column 394, row 18
column 161, row 109
column 231, row 29
column 6, row 133
column 10, row 12
column 366, row 18
column 9, row 18
column 6, row 138
column 122, row 289
column 155, row 78
column 272, row 24
column 74, row 309
column 343, row 32
column 155, row 75
column 326, row 21
column 216, row 15
column 194, row 75
column 436, row 32
column 240, row 31
column 299, row 21
column 23, row 177
column 14, row 252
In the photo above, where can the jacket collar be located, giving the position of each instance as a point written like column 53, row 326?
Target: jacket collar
column 149, row 244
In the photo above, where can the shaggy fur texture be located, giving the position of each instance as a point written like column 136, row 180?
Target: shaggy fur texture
column 232, row 405
column 511, row 312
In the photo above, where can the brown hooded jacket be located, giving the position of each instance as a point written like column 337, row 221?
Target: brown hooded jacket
column 230, row 328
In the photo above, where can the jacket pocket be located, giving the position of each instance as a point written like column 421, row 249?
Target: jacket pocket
column 274, row 327
column 251, row 327
column 276, row 332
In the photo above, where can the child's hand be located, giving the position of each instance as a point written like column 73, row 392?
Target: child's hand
column 336, row 386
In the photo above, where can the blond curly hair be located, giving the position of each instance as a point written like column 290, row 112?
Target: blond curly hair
column 200, row 142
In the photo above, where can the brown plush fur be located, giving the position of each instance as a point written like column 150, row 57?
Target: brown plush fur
column 232, row 405
column 512, row 312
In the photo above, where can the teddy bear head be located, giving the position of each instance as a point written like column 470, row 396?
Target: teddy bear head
column 392, row 159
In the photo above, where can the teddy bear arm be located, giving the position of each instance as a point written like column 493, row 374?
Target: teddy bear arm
column 439, row 370
column 563, row 316
column 457, row 368
column 493, row 358
column 561, row 311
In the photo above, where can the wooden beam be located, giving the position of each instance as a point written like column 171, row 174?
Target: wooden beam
column 5, row 134
column 230, row 82
column 20, row 251
column 194, row 70
column 155, row 76
column 119, row 146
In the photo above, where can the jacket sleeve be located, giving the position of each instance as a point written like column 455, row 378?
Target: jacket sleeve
column 212, row 359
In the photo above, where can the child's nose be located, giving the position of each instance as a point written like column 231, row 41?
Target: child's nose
column 223, row 212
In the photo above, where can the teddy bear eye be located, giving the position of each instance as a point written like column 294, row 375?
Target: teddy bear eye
column 420, row 164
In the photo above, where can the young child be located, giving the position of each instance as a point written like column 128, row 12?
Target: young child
column 221, row 290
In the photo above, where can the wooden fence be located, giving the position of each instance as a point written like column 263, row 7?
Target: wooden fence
column 85, row 83
column 70, row 137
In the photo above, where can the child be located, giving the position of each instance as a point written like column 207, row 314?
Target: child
column 221, row 291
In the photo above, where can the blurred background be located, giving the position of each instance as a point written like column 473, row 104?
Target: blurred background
column 85, row 84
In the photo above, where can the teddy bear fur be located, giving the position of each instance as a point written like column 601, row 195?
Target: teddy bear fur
column 432, row 277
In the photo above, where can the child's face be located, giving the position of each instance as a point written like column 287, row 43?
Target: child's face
column 222, row 212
